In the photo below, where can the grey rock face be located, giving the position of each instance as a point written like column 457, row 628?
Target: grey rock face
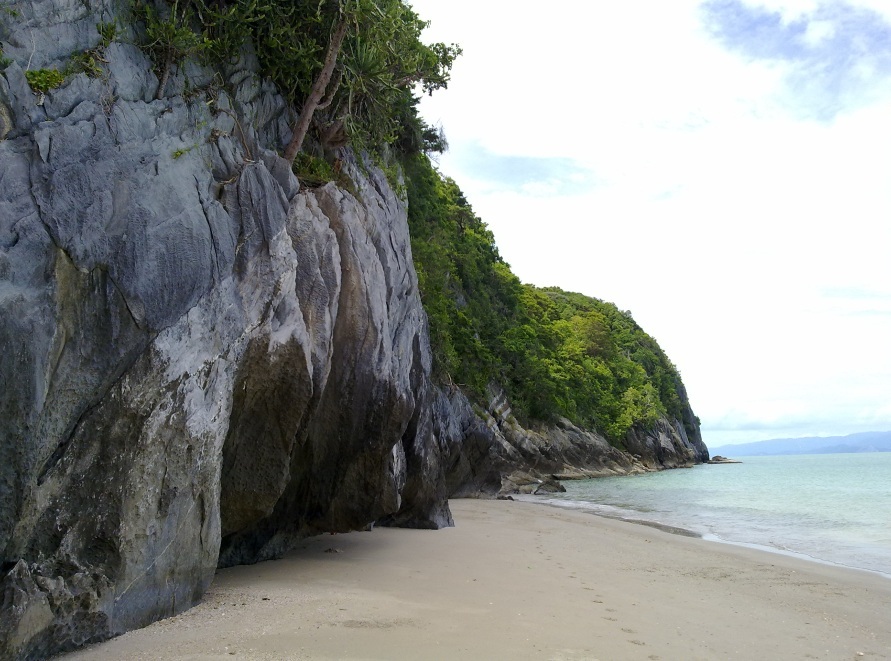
column 666, row 445
column 201, row 363
column 490, row 453
column 351, row 442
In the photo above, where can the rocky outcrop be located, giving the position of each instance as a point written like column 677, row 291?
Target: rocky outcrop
column 491, row 453
column 718, row 459
column 202, row 362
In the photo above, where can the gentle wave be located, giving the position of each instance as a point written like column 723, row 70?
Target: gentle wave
column 834, row 509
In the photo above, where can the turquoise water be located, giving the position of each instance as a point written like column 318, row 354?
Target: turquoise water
column 834, row 507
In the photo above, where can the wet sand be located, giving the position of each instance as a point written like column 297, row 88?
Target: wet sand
column 518, row 580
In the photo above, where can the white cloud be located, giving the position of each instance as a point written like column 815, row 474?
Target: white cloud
column 836, row 56
column 792, row 10
column 817, row 32
column 633, row 158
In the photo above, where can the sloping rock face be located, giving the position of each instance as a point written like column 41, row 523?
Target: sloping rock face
column 201, row 363
column 490, row 453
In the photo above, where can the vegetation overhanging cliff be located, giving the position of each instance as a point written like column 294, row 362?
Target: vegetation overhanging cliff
column 232, row 360
column 556, row 354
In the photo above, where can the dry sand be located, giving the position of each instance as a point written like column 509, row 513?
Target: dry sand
column 517, row 580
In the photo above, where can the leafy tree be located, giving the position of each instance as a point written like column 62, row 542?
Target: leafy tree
column 315, row 100
column 382, row 58
column 348, row 67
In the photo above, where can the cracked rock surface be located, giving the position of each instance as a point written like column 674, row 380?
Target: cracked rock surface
column 201, row 362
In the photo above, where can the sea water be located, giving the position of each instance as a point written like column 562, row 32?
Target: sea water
column 834, row 508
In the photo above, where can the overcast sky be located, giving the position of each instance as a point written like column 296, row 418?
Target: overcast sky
column 722, row 169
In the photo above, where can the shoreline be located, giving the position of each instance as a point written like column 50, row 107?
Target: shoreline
column 804, row 557
column 514, row 580
column 709, row 537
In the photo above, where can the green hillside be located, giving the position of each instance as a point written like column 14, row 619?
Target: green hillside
column 555, row 353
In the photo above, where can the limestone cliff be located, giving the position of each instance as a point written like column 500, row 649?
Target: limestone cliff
column 202, row 362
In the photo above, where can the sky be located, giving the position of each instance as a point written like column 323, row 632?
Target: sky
column 720, row 168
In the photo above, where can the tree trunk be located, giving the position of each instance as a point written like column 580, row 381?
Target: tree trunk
column 165, row 75
column 318, row 91
column 334, row 135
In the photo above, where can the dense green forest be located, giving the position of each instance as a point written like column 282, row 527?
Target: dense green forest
column 351, row 71
column 555, row 353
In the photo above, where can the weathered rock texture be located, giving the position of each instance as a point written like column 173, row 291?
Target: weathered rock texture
column 202, row 363
column 489, row 452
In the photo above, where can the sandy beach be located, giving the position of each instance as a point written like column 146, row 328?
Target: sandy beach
column 518, row 580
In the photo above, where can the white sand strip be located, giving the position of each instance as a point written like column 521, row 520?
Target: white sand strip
column 519, row 580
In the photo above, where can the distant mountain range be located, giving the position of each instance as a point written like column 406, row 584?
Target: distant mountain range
column 871, row 441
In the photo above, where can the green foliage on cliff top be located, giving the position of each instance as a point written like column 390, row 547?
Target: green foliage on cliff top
column 378, row 64
column 555, row 353
column 381, row 59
